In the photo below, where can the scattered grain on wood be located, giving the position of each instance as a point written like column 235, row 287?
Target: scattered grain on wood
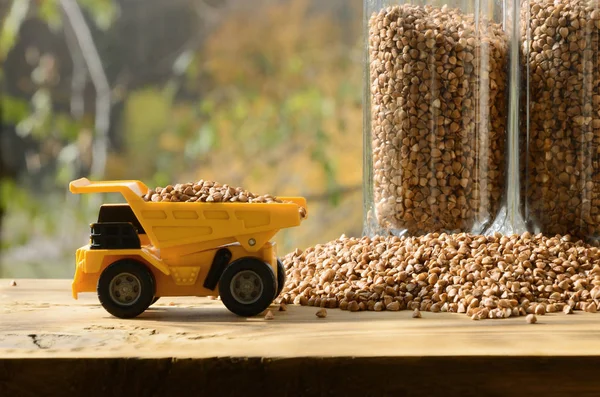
column 487, row 276
column 568, row 309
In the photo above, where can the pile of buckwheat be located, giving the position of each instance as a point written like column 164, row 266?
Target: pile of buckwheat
column 209, row 192
column 482, row 276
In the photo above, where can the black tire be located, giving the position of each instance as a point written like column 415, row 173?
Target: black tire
column 155, row 300
column 140, row 288
column 280, row 278
column 242, row 273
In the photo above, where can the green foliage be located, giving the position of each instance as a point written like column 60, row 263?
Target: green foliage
column 66, row 158
column 275, row 113
column 10, row 193
column 14, row 110
column 103, row 12
column 202, row 143
column 146, row 118
column 14, row 198
column 11, row 24
column 319, row 154
column 38, row 122
column 49, row 11
column 66, row 128
column 57, row 135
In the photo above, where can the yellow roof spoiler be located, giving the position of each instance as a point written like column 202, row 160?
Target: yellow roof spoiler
column 131, row 190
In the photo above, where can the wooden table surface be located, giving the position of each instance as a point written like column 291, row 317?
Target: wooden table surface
column 40, row 320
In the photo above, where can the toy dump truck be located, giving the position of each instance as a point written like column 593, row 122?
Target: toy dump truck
column 142, row 250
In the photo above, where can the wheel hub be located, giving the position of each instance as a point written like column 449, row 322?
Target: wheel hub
column 125, row 289
column 246, row 287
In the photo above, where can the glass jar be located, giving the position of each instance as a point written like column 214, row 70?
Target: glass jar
column 436, row 113
column 560, row 116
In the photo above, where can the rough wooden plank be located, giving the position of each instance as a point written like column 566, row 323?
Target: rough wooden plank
column 39, row 318
column 51, row 344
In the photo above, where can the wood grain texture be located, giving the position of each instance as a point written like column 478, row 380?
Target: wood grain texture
column 50, row 343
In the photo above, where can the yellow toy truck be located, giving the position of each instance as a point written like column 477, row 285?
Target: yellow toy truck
column 144, row 250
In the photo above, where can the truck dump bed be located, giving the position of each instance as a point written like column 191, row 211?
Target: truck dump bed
column 171, row 224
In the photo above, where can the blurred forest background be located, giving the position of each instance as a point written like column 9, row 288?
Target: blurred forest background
column 263, row 94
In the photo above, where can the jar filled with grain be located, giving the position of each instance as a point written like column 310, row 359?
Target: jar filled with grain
column 436, row 113
column 560, row 116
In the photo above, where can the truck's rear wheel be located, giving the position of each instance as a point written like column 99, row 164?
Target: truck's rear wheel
column 126, row 289
column 247, row 287
column 280, row 278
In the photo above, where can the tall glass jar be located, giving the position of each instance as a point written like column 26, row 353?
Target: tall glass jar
column 561, row 116
column 436, row 113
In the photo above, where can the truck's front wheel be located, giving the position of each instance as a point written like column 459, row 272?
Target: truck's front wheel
column 126, row 289
column 247, row 287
